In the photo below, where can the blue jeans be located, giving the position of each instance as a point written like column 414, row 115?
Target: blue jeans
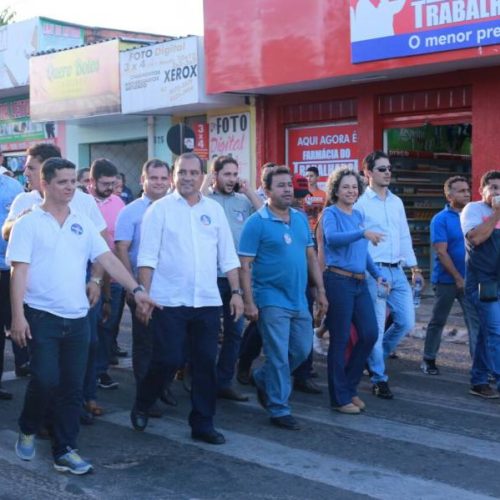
column 90, row 382
column 106, row 330
column 287, row 340
column 446, row 293
column 487, row 354
column 176, row 331
column 59, row 350
column 231, row 342
column 400, row 302
column 349, row 302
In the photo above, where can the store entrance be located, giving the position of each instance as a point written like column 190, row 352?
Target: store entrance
column 423, row 157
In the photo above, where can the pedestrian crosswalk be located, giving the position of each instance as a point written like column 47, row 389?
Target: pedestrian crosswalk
column 432, row 442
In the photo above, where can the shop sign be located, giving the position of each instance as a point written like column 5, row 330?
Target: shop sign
column 326, row 147
column 384, row 29
column 19, row 40
column 201, row 140
column 17, row 131
column 76, row 83
column 230, row 135
column 160, row 76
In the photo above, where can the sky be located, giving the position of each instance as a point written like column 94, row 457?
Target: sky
column 162, row 17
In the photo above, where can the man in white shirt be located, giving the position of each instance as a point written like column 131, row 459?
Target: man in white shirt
column 48, row 250
column 384, row 212
column 185, row 238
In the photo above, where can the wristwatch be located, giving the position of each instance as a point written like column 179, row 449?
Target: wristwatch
column 139, row 288
column 96, row 280
column 237, row 291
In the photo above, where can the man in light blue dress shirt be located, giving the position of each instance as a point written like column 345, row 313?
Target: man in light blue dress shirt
column 384, row 212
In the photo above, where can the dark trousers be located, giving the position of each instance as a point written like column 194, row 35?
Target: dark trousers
column 177, row 330
column 106, row 330
column 21, row 355
column 228, row 354
column 59, row 348
column 445, row 296
column 349, row 302
column 90, row 383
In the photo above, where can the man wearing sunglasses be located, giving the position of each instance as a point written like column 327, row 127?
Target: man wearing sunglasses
column 384, row 212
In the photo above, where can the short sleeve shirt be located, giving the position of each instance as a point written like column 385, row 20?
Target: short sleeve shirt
column 57, row 257
column 445, row 228
column 313, row 206
column 279, row 269
column 9, row 189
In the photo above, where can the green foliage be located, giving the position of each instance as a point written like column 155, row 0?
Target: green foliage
column 7, row 15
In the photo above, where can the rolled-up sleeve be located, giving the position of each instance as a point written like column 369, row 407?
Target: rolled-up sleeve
column 151, row 236
column 227, row 258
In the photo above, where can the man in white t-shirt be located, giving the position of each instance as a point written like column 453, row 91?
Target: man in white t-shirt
column 480, row 222
column 48, row 250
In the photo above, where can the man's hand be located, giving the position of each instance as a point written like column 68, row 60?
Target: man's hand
column 321, row 303
column 145, row 305
column 236, row 306
column 417, row 275
column 374, row 237
column 93, row 293
column 243, row 186
column 250, row 310
column 460, row 283
column 20, row 331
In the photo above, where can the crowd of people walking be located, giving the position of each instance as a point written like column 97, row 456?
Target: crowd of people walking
column 203, row 259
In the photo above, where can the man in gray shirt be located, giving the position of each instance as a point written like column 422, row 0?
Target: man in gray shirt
column 238, row 202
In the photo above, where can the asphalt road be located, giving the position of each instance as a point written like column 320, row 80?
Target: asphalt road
column 433, row 441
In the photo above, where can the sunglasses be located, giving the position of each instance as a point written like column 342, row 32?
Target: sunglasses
column 383, row 169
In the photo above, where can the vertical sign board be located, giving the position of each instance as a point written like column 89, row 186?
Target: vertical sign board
column 385, row 29
column 326, row 147
column 230, row 135
column 201, row 140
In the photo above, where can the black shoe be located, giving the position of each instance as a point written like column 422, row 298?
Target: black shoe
column 381, row 390
column 118, row 351
column 23, row 370
column 428, row 366
column 231, row 394
column 261, row 394
column 308, row 386
column 167, row 397
column 155, row 411
column 5, row 395
column 286, row 422
column 113, row 361
column 139, row 419
column 484, row 391
column 212, row 437
column 104, row 381
column 243, row 376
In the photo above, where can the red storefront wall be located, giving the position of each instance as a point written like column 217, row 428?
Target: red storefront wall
column 275, row 46
column 459, row 97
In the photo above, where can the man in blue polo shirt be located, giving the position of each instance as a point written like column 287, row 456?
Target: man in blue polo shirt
column 448, row 273
column 277, row 255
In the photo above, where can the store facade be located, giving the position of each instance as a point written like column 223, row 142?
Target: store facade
column 336, row 80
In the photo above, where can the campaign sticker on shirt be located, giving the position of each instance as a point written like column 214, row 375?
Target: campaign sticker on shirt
column 206, row 220
column 287, row 238
column 239, row 216
column 77, row 229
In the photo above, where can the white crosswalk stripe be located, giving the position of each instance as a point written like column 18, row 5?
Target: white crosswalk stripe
column 376, row 482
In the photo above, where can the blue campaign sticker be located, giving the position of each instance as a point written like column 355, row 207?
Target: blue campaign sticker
column 206, row 220
column 76, row 228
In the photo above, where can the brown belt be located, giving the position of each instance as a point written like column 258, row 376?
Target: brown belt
column 343, row 272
